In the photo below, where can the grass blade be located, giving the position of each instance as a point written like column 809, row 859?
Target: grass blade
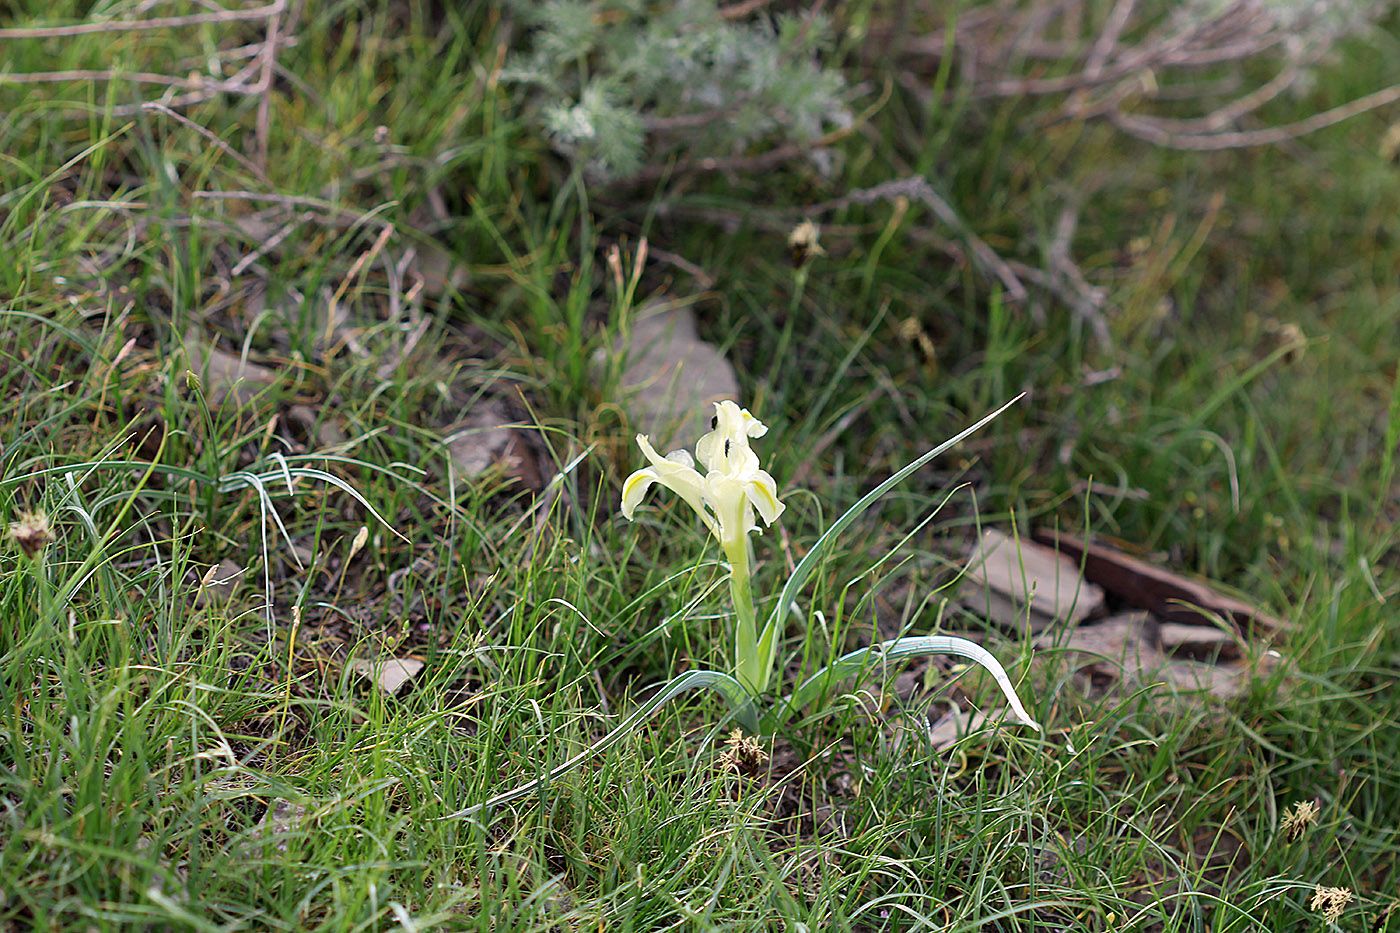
column 809, row 563
column 733, row 691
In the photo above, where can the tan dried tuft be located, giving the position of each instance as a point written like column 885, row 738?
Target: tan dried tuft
column 1330, row 902
column 802, row 242
column 32, row 533
column 1298, row 819
column 742, row 753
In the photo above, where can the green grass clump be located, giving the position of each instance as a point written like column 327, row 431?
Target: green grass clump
column 386, row 243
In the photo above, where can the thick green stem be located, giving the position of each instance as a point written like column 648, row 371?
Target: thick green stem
column 749, row 664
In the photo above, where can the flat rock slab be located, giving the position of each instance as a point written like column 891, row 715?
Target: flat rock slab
column 1120, row 647
column 390, row 675
column 1129, row 648
column 489, row 437
column 671, row 378
column 1170, row 596
column 1024, row 586
column 1198, row 642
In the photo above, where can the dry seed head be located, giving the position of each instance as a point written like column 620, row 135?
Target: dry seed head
column 356, row 545
column 615, row 267
column 802, row 242
column 1330, row 902
column 742, row 753
column 32, row 533
column 1298, row 819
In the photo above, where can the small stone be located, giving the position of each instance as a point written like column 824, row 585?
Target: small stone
column 671, row 378
column 1021, row 585
column 282, row 819
column 391, row 675
column 328, row 434
column 482, row 439
column 956, row 724
column 1197, row 642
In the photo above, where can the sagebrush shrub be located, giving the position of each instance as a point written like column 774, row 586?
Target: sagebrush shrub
column 618, row 84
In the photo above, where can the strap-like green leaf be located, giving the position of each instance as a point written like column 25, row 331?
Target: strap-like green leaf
column 809, row 563
column 897, row 650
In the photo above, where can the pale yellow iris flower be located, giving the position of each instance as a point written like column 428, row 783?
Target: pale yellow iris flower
column 733, row 486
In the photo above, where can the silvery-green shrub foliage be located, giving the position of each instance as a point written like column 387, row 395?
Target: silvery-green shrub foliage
column 619, row 84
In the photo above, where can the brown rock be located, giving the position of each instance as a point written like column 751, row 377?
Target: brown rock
column 1197, row 642
column 671, row 377
column 1170, row 596
column 488, row 437
column 1024, row 586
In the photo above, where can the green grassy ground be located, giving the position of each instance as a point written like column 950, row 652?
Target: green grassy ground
column 156, row 728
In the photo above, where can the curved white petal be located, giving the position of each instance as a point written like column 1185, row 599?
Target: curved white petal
column 762, row 491
column 682, row 457
column 726, row 448
column 673, row 472
column 635, row 489
column 752, row 426
column 707, row 447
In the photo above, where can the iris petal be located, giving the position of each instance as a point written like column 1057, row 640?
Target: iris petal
column 763, row 493
column 635, row 489
column 733, row 486
column 674, row 471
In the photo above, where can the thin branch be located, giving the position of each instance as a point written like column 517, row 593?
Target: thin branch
column 742, row 9
column 753, row 164
column 112, row 74
column 917, row 188
column 269, row 61
column 270, row 244
column 165, row 22
column 1107, row 41
column 1069, row 283
column 291, row 200
column 251, row 50
column 706, row 280
column 222, row 146
column 1152, row 130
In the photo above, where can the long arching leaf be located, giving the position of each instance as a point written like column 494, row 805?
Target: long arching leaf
column 809, row 563
column 899, row 649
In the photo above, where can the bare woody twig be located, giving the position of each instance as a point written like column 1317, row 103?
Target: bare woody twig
column 918, row 189
column 268, row 60
column 339, row 214
column 742, row 9
column 219, row 144
column 165, row 22
column 198, row 87
column 111, row 74
column 1128, row 58
column 1156, row 131
column 752, row 164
